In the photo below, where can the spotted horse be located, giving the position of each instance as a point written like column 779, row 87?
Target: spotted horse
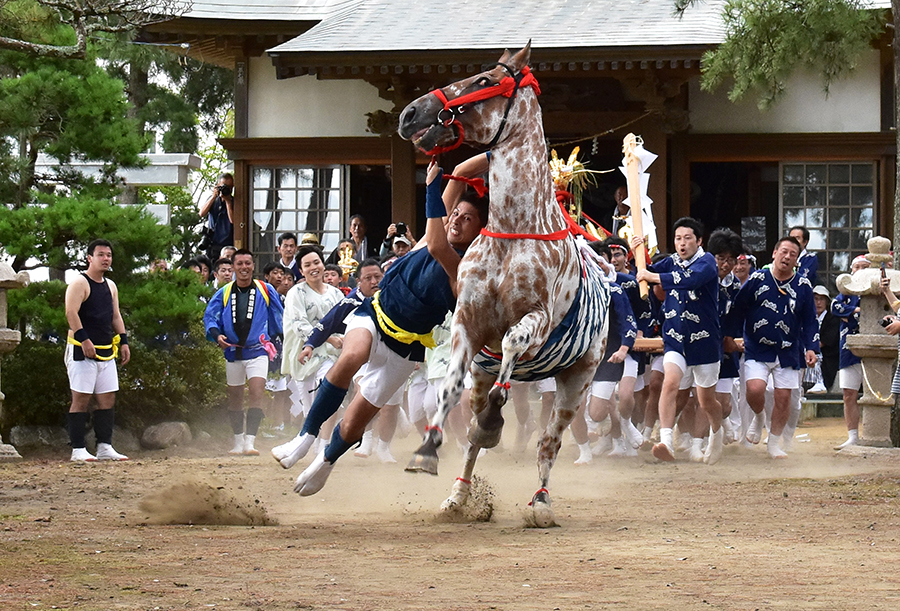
column 529, row 305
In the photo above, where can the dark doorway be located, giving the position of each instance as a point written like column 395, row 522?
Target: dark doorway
column 738, row 196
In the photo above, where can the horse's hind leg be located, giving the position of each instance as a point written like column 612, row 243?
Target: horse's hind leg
column 530, row 331
column 571, row 387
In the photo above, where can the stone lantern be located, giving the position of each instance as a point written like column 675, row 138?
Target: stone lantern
column 9, row 338
column 872, row 344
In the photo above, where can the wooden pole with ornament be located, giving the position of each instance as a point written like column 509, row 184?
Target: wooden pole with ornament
column 632, row 165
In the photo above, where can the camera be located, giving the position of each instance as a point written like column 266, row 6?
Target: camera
column 224, row 189
column 884, row 322
column 401, row 228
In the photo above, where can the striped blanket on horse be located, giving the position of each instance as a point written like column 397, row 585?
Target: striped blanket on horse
column 570, row 340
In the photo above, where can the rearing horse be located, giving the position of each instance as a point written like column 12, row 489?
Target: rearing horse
column 529, row 307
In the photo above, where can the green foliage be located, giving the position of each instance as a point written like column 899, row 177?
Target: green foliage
column 165, row 303
column 184, row 221
column 35, row 384
column 766, row 40
column 69, row 109
column 39, row 308
column 184, row 382
column 56, row 233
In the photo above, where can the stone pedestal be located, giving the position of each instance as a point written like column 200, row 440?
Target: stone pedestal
column 873, row 345
column 9, row 339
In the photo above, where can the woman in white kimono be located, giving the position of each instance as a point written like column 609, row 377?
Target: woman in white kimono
column 306, row 303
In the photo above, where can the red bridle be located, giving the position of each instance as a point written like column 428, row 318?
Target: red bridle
column 507, row 87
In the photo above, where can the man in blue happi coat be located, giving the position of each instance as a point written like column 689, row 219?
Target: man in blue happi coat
column 692, row 338
column 242, row 317
column 775, row 314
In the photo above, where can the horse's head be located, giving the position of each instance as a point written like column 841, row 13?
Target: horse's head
column 474, row 110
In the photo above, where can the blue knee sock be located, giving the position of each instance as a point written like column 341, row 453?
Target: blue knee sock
column 326, row 404
column 337, row 447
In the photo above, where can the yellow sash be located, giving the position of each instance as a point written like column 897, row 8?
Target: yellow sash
column 404, row 337
column 114, row 346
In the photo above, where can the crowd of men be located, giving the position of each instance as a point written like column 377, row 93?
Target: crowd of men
column 718, row 352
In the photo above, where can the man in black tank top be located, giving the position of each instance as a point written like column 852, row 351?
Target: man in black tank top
column 96, row 336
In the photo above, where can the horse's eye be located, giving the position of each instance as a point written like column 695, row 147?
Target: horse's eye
column 484, row 81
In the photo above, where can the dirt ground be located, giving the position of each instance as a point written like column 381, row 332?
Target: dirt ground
column 819, row 530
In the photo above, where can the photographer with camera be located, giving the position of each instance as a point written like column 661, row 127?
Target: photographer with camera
column 397, row 230
column 218, row 231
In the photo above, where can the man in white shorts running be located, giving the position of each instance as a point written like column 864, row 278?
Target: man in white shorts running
column 691, row 334
column 242, row 318
column 96, row 336
column 775, row 313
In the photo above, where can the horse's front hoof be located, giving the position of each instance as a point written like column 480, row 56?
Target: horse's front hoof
column 541, row 511
column 458, row 497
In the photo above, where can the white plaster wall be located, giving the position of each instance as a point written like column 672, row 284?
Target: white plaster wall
column 853, row 105
column 305, row 107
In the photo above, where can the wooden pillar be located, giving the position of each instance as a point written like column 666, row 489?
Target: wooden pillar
column 241, row 168
column 681, row 180
column 403, row 181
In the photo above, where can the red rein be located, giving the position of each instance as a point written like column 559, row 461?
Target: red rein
column 506, row 87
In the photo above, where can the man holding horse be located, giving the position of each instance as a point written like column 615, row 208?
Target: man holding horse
column 391, row 330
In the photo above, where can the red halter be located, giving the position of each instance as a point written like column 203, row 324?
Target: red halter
column 507, row 87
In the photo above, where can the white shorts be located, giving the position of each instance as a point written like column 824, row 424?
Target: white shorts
column 656, row 364
column 386, row 371
column 603, row 390
column 631, row 367
column 418, row 388
column 703, row 376
column 91, row 377
column 851, row 377
column 724, row 385
column 631, row 371
column 781, row 377
column 238, row 372
column 545, row 385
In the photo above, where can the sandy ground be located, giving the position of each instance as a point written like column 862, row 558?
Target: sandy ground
column 819, row 530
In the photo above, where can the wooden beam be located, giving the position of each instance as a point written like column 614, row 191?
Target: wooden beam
column 310, row 151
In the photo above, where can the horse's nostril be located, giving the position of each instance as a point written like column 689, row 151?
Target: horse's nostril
column 408, row 115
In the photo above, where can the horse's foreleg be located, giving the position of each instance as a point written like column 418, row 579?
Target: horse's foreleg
column 425, row 459
column 530, row 332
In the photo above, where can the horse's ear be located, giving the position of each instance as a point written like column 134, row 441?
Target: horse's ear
column 520, row 59
column 505, row 57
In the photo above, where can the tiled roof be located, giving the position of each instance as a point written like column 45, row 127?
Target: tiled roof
column 266, row 10
column 404, row 25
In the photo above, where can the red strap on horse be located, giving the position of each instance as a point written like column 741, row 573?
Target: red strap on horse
column 504, row 88
column 436, row 428
column 475, row 183
column 505, row 385
column 465, row 481
column 537, row 493
column 547, row 237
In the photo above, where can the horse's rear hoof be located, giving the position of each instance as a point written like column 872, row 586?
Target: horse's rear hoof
column 483, row 438
column 540, row 509
column 425, row 460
